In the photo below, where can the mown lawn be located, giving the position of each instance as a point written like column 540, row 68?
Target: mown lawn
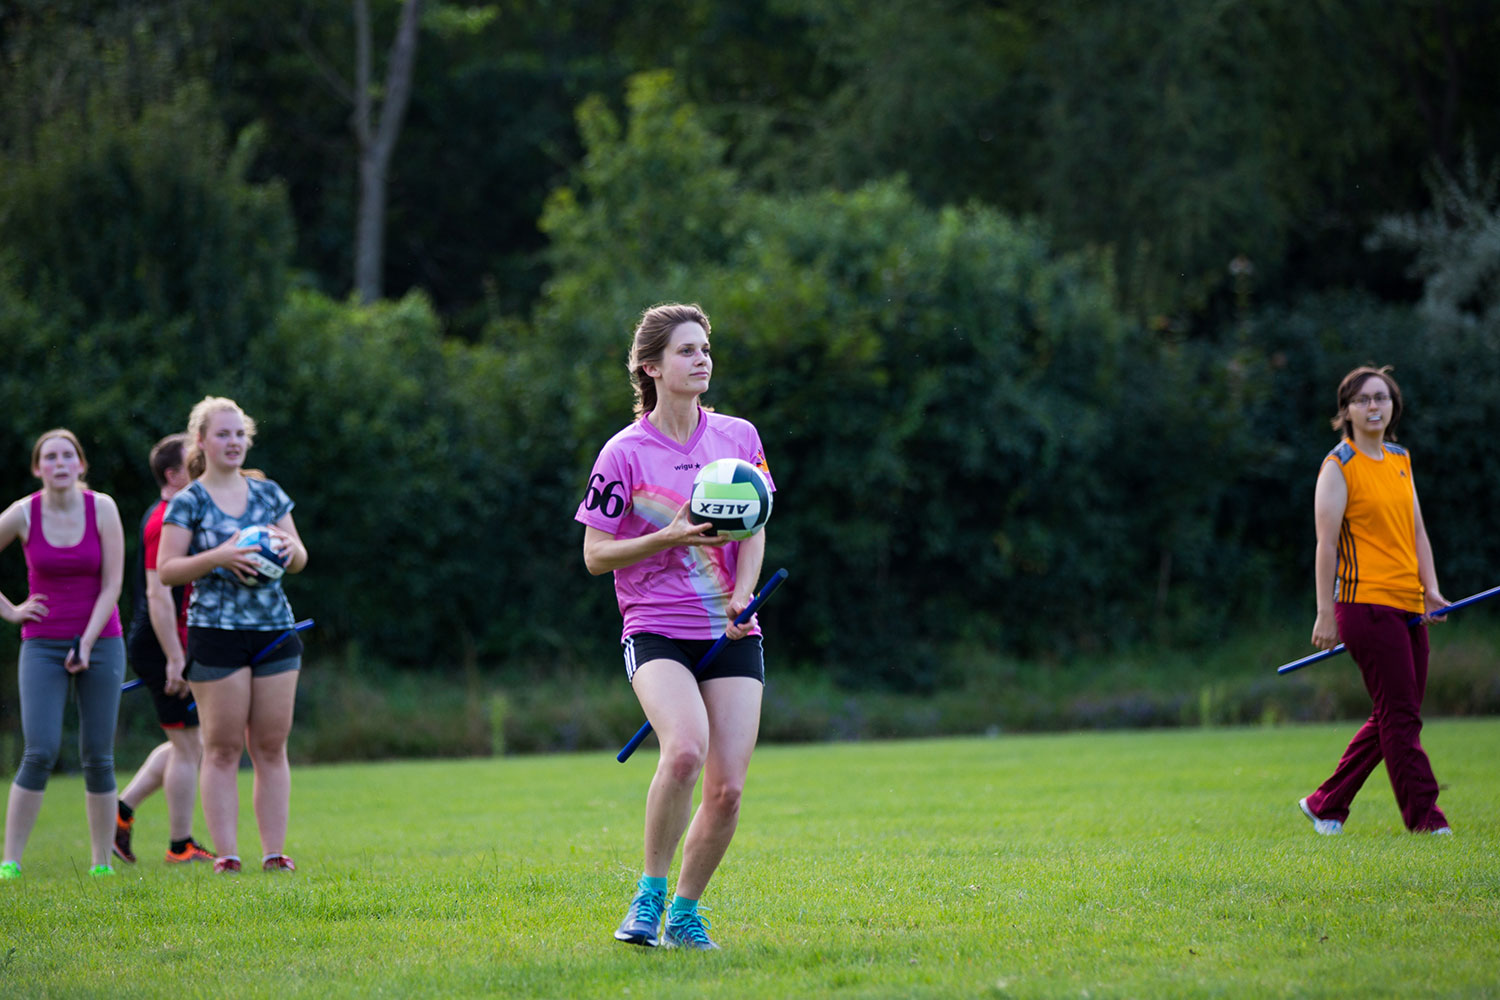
column 1124, row 864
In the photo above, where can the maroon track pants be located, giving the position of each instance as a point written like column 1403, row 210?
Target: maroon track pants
column 1393, row 659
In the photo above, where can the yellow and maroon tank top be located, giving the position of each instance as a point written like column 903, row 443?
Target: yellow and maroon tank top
column 1378, row 539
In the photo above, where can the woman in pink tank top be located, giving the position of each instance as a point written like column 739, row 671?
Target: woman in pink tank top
column 70, row 637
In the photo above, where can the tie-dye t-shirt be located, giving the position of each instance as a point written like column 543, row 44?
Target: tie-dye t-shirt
column 219, row 600
column 639, row 482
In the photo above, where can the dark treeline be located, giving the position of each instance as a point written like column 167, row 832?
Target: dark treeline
column 1038, row 306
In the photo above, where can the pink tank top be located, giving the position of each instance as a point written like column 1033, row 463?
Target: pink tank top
column 70, row 577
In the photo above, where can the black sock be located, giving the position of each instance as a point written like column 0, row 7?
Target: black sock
column 125, row 811
column 178, row 846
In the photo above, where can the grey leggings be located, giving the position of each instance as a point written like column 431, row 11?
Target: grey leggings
column 44, row 692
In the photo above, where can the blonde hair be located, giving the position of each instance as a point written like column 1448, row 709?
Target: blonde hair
column 198, row 427
column 652, row 335
column 66, row 435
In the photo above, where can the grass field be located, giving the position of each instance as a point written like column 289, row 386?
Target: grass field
column 1127, row 864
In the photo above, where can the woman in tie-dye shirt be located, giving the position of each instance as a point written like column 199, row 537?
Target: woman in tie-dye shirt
column 239, row 705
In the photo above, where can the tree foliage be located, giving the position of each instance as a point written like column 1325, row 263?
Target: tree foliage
column 1455, row 245
column 940, row 392
column 118, row 219
column 967, row 266
column 1175, row 137
column 147, row 264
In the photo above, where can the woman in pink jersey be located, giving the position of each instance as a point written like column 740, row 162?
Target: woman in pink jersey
column 70, row 632
column 679, row 589
column 1374, row 571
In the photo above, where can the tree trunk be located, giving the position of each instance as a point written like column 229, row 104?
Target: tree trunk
column 369, row 228
column 377, row 139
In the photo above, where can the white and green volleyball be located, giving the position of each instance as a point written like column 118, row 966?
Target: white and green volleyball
column 733, row 496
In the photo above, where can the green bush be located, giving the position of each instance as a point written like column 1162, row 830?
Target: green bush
column 977, row 454
column 360, row 708
column 932, row 387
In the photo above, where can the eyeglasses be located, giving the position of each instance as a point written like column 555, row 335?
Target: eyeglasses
column 1380, row 399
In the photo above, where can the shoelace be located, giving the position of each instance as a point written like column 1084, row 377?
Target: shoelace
column 648, row 907
column 691, row 927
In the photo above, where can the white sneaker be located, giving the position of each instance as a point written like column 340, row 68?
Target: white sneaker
column 1442, row 831
column 1327, row 827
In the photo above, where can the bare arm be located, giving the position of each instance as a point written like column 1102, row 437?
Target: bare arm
column 163, row 613
column 1432, row 597
column 1330, row 498
column 746, row 575
column 175, row 567
column 12, row 527
column 287, row 528
column 604, row 553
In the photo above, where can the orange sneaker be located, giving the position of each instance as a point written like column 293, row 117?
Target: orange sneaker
column 190, row 852
column 122, row 839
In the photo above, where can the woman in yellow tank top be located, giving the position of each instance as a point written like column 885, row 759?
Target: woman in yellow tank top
column 1374, row 570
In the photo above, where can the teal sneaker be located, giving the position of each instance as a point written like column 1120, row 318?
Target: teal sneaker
column 688, row 930
column 642, row 923
column 10, row 869
column 102, row 871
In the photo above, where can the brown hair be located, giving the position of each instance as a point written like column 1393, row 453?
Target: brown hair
column 1349, row 386
column 652, row 334
column 198, row 426
column 65, row 434
column 167, row 455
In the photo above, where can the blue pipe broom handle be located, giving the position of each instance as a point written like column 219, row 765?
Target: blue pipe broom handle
column 766, row 590
column 301, row 626
column 1483, row 595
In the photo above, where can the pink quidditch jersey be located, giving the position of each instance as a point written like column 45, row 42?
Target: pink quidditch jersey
column 70, row 577
column 639, row 482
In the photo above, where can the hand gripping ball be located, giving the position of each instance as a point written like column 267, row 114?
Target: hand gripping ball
column 270, row 556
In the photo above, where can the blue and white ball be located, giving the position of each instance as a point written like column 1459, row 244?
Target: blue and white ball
column 733, row 496
column 269, row 555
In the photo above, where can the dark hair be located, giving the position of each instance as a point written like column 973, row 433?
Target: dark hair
column 652, row 335
column 66, row 435
column 167, row 455
column 1350, row 385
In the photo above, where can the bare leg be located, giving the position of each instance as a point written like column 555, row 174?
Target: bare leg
column 272, row 702
column 223, row 709
column 20, row 816
column 102, row 810
column 149, row 778
column 733, row 705
column 671, row 699
column 180, row 780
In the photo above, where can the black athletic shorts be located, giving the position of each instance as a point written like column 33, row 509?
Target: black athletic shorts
column 150, row 665
column 224, row 650
column 739, row 657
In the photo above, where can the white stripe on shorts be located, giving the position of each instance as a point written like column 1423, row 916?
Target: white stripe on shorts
column 630, row 664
